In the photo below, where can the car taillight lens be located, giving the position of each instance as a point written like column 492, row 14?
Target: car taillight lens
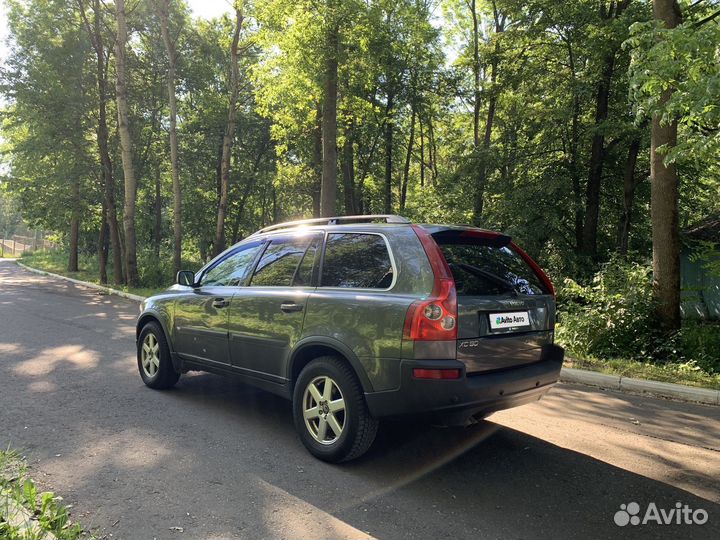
column 435, row 318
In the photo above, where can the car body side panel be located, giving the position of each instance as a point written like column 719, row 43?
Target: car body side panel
column 261, row 333
column 162, row 308
column 331, row 343
column 201, row 329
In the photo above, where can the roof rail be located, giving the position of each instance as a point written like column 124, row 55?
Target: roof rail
column 335, row 220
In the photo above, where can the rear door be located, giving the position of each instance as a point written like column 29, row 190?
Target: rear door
column 505, row 311
column 266, row 317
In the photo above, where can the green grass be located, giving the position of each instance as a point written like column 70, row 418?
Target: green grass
column 687, row 374
column 56, row 262
column 25, row 512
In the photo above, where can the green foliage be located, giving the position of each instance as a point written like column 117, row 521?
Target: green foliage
column 684, row 60
column 698, row 346
column 19, row 495
column 10, row 216
column 612, row 316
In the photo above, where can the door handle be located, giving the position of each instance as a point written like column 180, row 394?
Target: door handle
column 289, row 307
column 220, row 303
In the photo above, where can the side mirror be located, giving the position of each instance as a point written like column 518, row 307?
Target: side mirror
column 186, row 278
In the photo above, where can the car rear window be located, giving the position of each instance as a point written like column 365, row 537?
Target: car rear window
column 483, row 269
column 356, row 260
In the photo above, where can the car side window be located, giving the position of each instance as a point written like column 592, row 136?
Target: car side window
column 356, row 260
column 282, row 260
column 233, row 270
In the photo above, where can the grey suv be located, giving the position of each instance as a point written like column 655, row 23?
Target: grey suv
column 361, row 317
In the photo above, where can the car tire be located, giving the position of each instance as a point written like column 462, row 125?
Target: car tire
column 322, row 406
column 153, row 357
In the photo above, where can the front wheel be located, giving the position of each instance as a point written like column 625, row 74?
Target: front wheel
column 330, row 412
column 153, row 357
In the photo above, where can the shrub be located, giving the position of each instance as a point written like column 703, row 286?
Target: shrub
column 613, row 317
column 610, row 317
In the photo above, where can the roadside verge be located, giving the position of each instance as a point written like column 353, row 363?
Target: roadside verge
column 571, row 375
column 87, row 284
column 641, row 386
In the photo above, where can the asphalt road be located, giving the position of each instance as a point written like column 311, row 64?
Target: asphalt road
column 221, row 460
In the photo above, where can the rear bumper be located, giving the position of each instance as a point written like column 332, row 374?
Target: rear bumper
column 453, row 402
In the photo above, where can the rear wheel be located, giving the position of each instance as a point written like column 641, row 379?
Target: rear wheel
column 330, row 412
column 153, row 356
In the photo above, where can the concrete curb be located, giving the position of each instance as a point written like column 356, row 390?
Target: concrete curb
column 87, row 284
column 581, row 376
column 627, row 384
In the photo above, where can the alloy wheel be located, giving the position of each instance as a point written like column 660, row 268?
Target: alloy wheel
column 150, row 356
column 324, row 410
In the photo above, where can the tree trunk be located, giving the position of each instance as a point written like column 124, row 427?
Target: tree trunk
column 482, row 165
column 597, row 152
column 74, row 226
column 102, row 245
column 348, row 172
column 164, row 12
column 574, row 144
column 157, row 227
column 629, row 185
column 131, row 272
column 328, row 189
column 228, row 137
column 408, row 157
column 317, row 162
column 432, row 151
column 487, row 138
column 664, row 200
column 108, row 178
column 476, row 75
column 597, row 158
column 387, row 207
column 422, row 153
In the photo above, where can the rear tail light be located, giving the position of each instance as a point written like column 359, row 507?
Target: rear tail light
column 420, row 373
column 435, row 318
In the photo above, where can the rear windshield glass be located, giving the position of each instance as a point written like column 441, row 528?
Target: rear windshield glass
column 481, row 270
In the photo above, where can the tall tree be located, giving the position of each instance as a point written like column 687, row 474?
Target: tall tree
column 50, row 165
column 328, row 188
column 630, row 183
column 126, row 151
column 109, row 211
column 482, row 166
column 74, row 225
column 664, row 195
column 163, row 7
column 608, row 13
column 229, row 136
